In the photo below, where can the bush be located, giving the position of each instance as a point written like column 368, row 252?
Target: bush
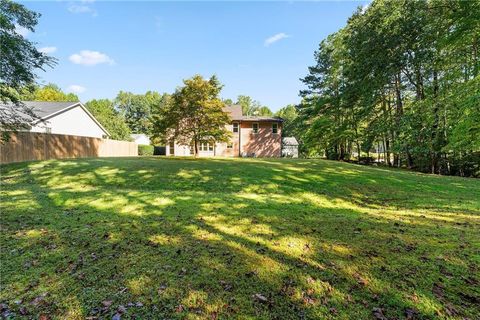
column 145, row 150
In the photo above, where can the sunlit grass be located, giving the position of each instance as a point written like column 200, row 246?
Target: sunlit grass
column 236, row 238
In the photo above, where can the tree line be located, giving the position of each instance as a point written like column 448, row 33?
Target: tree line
column 401, row 78
column 129, row 112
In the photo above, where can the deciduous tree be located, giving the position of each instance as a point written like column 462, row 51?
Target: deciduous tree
column 193, row 115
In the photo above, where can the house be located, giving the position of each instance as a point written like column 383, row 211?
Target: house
column 68, row 118
column 252, row 136
column 289, row 147
column 140, row 139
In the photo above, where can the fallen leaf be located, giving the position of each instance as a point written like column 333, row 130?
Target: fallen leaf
column 121, row 309
column 179, row 308
column 438, row 290
column 378, row 314
column 261, row 298
column 107, row 303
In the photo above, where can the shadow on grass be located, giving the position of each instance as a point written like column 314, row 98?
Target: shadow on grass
column 222, row 238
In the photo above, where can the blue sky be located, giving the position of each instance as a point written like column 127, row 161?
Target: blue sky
column 260, row 49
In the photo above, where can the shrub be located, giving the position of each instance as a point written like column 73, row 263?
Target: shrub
column 145, row 150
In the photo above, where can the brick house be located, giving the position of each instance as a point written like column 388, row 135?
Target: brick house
column 252, row 136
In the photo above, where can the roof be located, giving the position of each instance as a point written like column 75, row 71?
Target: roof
column 48, row 109
column 261, row 118
column 45, row 109
column 235, row 112
column 290, row 141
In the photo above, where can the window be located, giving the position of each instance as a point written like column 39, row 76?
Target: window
column 229, row 145
column 274, row 127
column 235, row 127
column 192, row 148
column 255, row 127
column 205, row 146
column 171, row 148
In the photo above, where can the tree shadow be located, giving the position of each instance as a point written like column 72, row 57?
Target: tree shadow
column 212, row 238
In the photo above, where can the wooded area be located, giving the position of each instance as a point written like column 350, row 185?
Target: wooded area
column 402, row 77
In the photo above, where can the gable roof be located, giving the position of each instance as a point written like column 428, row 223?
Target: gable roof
column 289, row 141
column 45, row 110
column 235, row 112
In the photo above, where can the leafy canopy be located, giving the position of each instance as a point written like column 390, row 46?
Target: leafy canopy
column 194, row 114
column 104, row 111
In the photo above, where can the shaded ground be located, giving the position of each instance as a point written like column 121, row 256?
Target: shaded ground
column 245, row 238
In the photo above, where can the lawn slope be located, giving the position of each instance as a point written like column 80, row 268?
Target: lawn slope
column 244, row 238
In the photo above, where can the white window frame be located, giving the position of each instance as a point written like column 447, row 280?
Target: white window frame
column 275, row 131
column 253, row 129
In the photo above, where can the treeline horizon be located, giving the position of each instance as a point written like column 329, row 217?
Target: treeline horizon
column 129, row 112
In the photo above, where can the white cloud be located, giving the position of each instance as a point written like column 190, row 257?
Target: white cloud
column 48, row 50
column 24, row 32
column 75, row 88
column 90, row 58
column 275, row 38
column 82, row 7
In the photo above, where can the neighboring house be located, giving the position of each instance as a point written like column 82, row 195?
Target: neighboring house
column 140, row 139
column 69, row 118
column 289, row 147
column 251, row 137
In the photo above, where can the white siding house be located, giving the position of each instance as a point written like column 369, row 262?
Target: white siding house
column 70, row 118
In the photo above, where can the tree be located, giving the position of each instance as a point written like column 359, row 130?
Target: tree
column 49, row 92
column 401, row 76
column 137, row 109
column 252, row 107
column 193, row 115
column 104, row 111
column 19, row 61
column 289, row 115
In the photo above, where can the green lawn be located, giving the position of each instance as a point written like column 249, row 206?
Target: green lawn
column 245, row 239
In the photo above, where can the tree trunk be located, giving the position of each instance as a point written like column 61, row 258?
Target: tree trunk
column 434, row 141
column 196, row 148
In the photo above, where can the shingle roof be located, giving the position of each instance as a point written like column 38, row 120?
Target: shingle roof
column 260, row 118
column 235, row 111
column 44, row 109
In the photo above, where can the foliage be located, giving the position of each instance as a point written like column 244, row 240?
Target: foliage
column 193, row 114
column 137, row 109
column 202, row 238
column 289, row 115
column 104, row 111
column 252, row 107
column 145, row 150
column 19, row 61
column 49, row 92
column 402, row 77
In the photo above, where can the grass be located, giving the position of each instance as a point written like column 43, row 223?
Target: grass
column 244, row 239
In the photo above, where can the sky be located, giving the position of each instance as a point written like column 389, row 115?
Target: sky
column 260, row 49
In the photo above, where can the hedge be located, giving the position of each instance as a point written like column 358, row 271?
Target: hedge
column 145, row 150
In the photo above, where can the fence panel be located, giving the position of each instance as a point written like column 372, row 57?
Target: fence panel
column 28, row 146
